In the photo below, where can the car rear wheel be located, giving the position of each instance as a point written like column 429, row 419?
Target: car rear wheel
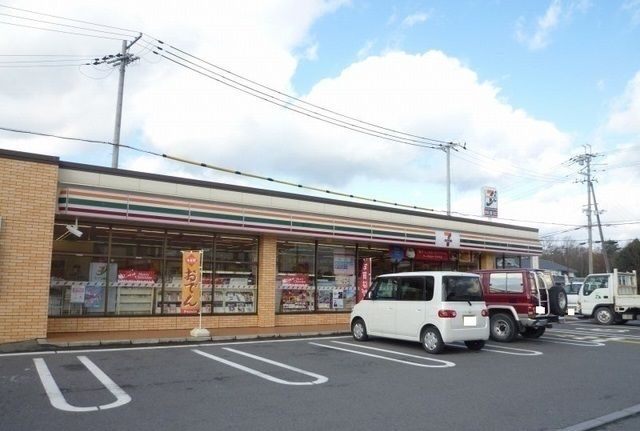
column 503, row 328
column 432, row 340
column 474, row 344
column 533, row 332
column 558, row 300
column 359, row 330
column 604, row 316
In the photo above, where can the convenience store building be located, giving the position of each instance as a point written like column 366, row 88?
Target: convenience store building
column 270, row 259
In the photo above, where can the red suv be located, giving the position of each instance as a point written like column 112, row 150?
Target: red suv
column 524, row 301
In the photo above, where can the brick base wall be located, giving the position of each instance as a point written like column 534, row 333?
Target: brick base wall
column 27, row 207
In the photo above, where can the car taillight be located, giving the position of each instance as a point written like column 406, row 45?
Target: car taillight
column 447, row 313
column 485, row 313
column 531, row 311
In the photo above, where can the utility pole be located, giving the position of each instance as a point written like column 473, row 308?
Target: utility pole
column 447, row 149
column 607, row 265
column 122, row 60
column 585, row 160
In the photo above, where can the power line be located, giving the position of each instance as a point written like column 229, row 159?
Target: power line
column 272, row 180
column 311, row 114
column 63, row 25
column 60, row 31
column 28, row 132
column 68, row 19
column 296, row 98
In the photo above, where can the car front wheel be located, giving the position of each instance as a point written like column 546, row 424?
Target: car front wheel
column 604, row 316
column 359, row 330
column 432, row 340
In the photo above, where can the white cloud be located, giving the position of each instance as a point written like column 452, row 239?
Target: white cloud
column 558, row 12
column 626, row 116
column 365, row 50
column 633, row 8
column 311, row 52
column 414, row 19
column 173, row 110
column 545, row 24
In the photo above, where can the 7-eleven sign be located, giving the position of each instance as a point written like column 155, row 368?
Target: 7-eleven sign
column 447, row 239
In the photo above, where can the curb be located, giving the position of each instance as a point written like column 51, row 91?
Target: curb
column 44, row 344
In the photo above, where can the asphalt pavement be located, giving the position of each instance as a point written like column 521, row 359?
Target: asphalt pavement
column 570, row 379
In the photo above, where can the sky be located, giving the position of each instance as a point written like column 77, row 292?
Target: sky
column 524, row 88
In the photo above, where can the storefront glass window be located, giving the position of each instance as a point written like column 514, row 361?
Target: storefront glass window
column 295, row 280
column 336, row 280
column 126, row 270
column 79, row 270
column 236, row 260
column 136, row 257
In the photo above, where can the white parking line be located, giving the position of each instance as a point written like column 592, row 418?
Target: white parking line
column 595, row 336
column 494, row 348
column 614, row 336
column 572, row 342
column 318, row 378
column 444, row 364
column 607, row 330
column 58, row 400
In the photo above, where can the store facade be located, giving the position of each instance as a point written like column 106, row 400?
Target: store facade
column 269, row 259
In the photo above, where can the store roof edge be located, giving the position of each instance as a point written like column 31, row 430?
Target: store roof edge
column 274, row 193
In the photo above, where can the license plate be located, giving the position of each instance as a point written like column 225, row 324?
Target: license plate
column 571, row 311
column 469, row 321
column 540, row 310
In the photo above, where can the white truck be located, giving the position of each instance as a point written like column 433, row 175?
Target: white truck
column 611, row 298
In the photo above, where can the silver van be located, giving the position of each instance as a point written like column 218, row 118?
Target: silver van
column 432, row 307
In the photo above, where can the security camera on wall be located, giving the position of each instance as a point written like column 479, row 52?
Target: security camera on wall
column 74, row 230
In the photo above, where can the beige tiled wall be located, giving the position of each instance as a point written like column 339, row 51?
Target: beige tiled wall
column 27, row 206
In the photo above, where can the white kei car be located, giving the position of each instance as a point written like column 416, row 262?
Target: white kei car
column 433, row 307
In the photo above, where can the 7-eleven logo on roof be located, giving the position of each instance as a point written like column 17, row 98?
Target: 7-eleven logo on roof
column 447, row 239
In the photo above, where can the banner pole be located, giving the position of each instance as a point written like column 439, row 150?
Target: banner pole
column 200, row 331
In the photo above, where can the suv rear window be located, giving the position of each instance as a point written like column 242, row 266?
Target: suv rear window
column 461, row 288
column 506, row 282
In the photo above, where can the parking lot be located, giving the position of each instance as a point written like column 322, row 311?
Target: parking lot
column 574, row 373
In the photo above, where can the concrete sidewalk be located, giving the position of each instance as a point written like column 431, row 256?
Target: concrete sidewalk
column 56, row 341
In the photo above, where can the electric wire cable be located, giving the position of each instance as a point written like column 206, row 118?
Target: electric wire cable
column 68, row 19
column 298, row 99
column 60, row 31
column 301, row 111
column 64, row 25
column 272, row 180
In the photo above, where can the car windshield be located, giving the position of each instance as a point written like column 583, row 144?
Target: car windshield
column 461, row 288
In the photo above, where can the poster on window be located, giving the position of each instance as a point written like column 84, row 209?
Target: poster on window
column 338, row 299
column 77, row 294
column 98, row 272
column 191, row 280
column 343, row 263
column 94, row 297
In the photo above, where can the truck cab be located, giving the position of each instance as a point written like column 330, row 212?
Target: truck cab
column 610, row 297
